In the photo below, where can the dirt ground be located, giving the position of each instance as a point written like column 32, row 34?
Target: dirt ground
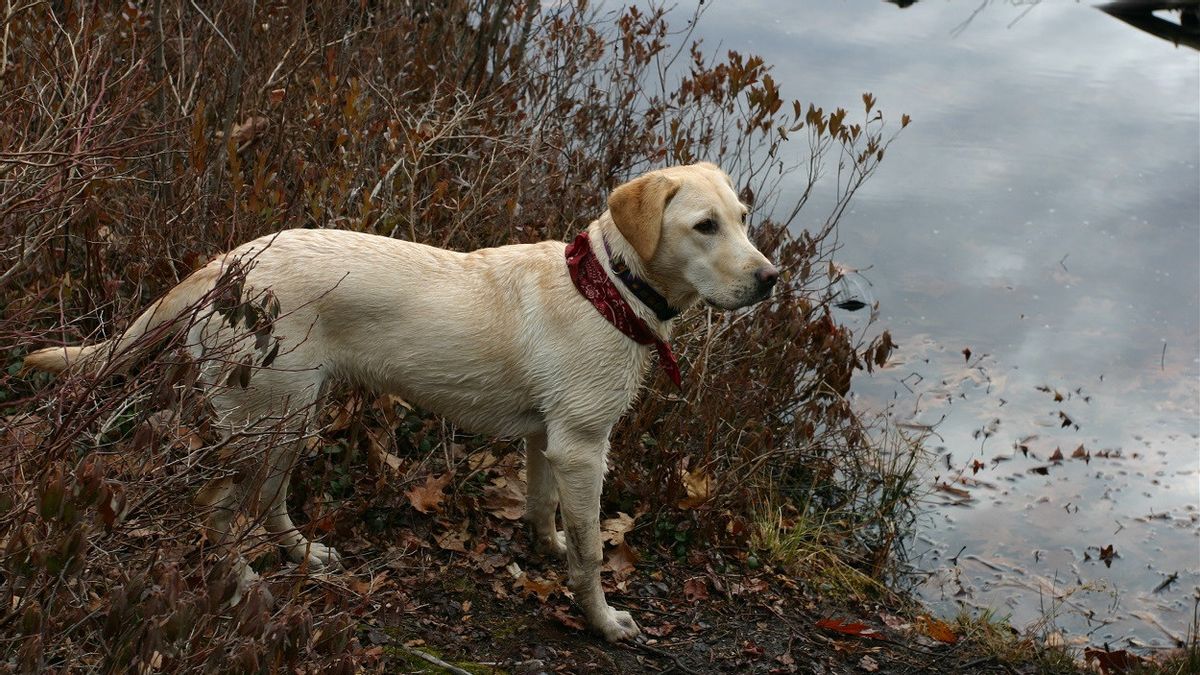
column 492, row 606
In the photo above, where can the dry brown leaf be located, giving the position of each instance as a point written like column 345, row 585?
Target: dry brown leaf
column 695, row 589
column 344, row 413
column 855, row 628
column 378, row 455
column 699, row 486
column 563, row 615
column 481, row 461
column 542, row 588
column 938, row 630
column 428, row 498
column 248, row 131
column 1120, row 661
column 620, row 560
column 505, row 498
column 25, row 431
column 613, row 530
column 453, row 540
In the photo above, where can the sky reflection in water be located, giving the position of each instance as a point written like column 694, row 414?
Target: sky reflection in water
column 1043, row 210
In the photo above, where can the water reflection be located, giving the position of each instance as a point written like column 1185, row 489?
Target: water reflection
column 1140, row 15
column 1032, row 244
column 1137, row 13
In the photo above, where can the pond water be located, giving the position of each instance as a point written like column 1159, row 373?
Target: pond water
column 1043, row 212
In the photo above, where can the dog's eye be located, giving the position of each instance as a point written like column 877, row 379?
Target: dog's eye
column 708, row 226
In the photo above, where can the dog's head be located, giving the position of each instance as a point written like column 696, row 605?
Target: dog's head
column 688, row 230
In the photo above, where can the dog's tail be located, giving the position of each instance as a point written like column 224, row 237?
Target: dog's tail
column 168, row 309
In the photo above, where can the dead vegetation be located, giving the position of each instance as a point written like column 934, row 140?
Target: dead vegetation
column 138, row 140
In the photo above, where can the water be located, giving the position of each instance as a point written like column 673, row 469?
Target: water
column 1042, row 211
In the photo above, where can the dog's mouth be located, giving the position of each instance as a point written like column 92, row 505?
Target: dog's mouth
column 745, row 301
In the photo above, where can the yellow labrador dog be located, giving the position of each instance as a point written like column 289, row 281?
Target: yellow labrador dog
column 543, row 341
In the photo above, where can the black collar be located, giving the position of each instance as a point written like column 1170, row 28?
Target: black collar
column 640, row 288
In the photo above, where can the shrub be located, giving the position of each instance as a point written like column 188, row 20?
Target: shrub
column 139, row 140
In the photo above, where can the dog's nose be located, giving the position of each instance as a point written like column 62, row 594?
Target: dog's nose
column 766, row 277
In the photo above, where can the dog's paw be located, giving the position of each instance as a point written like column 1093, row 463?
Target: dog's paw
column 554, row 544
column 320, row 558
column 616, row 625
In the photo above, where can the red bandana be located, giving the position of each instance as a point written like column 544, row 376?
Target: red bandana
column 595, row 285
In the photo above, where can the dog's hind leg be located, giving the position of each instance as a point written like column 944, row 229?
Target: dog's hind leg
column 541, row 499
column 287, row 431
column 220, row 500
column 267, row 421
column 273, row 504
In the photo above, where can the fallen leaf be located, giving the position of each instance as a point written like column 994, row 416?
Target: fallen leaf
column 695, row 589
column 427, row 498
column 620, row 560
column 938, row 630
column 699, row 486
column 505, row 498
column 868, row 664
column 542, row 588
column 613, row 530
column 1120, row 661
column 659, row 631
column 453, row 541
column 850, row 628
column 378, row 455
column 894, row 622
column 480, row 461
column 563, row 615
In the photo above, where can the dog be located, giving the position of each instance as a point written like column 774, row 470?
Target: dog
column 548, row 342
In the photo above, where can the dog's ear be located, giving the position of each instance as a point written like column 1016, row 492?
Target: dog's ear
column 637, row 210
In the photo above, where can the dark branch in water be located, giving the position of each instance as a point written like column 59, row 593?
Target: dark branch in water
column 1140, row 15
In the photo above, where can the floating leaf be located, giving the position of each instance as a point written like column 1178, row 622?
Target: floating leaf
column 1107, row 554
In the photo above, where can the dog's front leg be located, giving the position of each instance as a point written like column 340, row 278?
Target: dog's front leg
column 577, row 461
